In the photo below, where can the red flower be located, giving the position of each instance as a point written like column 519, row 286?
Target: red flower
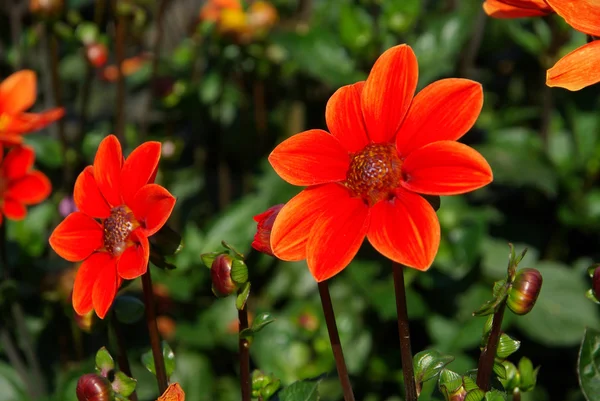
column 265, row 220
column 580, row 68
column 19, row 184
column 17, row 94
column 364, row 179
column 516, row 8
column 120, row 207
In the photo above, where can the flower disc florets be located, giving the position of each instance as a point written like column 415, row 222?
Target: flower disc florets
column 374, row 173
column 117, row 228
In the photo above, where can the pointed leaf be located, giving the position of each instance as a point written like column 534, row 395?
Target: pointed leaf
column 123, row 384
column 429, row 363
column 168, row 355
column 242, row 297
column 208, row 258
column 450, row 381
column 239, row 271
column 262, row 320
column 499, row 370
column 589, row 294
column 306, row 390
column 528, row 374
column 495, row 395
column 507, row 346
column 475, row 395
column 104, row 362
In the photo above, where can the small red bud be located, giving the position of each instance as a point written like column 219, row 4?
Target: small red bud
column 596, row 282
column 220, row 272
column 96, row 54
column 92, row 387
column 524, row 291
column 265, row 220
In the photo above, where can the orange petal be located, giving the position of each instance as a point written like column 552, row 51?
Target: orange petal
column 18, row 92
column 13, row 209
column 293, row 223
column 173, row 393
column 85, row 279
column 18, row 162
column 388, row 91
column 444, row 110
column 139, row 167
column 87, row 195
column 582, row 15
column 310, row 158
column 405, row 230
column 24, row 123
column 152, row 207
column 107, row 169
column 445, row 168
column 337, row 235
column 578, row 69
column 30, row 189
column 10, row 139
column 105, row 288
column 134, row 261
column 77, row 237
column 504, row 9
column 345, row 118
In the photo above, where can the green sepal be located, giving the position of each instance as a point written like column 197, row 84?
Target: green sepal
column 239, row 271
column 128, row 309
column 429, row 363
column 528, row 374
column 237, row 254
column 589, row 294
column 592, row 269
column 208, row 258
column 507, row 346
column 242, row 296
column 475, row 395
column 271, row 389
column 512, row 379
column 470, row 384
column 514, row 261
column 123, row 384
column 499, row 370
column 104, row 362
column 495, row 395
column 449, row 381
column 168, row 356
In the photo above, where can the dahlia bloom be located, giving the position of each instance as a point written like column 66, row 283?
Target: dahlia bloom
column 581, row 67
column 17, row 94
column 119, row 208
column 516, row 8
column 20, row 185
column 366, row 177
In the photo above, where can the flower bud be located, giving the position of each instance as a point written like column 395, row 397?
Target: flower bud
column 92, row 387
column 524, row 291
column 96, row 54
column 458, row 395
column 596, row 282
column 220, row 272
column 46, row 8
column 265, row 220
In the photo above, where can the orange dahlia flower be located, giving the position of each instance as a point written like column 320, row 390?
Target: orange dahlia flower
column 516, row 8
column 581, row 67
column 119, row 208
column 19, row 184
column 17, row 94
column 366, row 177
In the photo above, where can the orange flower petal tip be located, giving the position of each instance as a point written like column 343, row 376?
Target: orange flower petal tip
column 516, row 8
column 365, row 178
column 577, row 69
column 173, row 393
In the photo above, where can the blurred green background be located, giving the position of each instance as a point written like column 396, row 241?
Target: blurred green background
column 220, row 106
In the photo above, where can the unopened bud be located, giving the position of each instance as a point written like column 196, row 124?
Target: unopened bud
column 93, row 387
column 458, row 395
column 265, row 220
column 220, row 272
column 524, row 291
column 596, row 282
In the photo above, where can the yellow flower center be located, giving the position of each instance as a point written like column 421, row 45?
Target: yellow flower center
column 374, row 173
column 117, row 228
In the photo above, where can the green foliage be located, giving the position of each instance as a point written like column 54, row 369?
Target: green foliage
column 588, row 365
column 301, row 391
column 168, row 356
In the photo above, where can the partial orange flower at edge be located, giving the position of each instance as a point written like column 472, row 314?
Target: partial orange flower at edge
column 173, row 393
column 365, row 178
column 17, row 94
column 119, row 208
column 516, row 8
column 581, row 67
column 20, row 185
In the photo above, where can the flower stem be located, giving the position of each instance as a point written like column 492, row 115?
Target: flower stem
column 157, row 353
column 244, row 356
column 122, row 349
column 410, row 388
column 488, row 355
column 334, row 338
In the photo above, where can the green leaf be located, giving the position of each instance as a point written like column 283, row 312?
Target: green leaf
column 104, row 362
column 242, row 297
column 589, row 294
column 495, row 395
column 507, row 346
column 429, row 363
column 528, row 374
column 128, row 309
column 306, row 390
column 123, row 384
column 168, row 356
column 209, row 258
column 588, row 365
column 475, row 395
column 499, row 370
column 239, row 271
column 261, row 321
column 561, row 312
column 450, row 380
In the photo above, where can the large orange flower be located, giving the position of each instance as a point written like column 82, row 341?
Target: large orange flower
column 120, row 207
column 17, row 94
column 516, row 8
column 366, row 176
column 581, row 67
column 19, row 184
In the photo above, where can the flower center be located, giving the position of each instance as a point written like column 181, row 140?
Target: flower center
column 374, row 173
column 117, row 228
